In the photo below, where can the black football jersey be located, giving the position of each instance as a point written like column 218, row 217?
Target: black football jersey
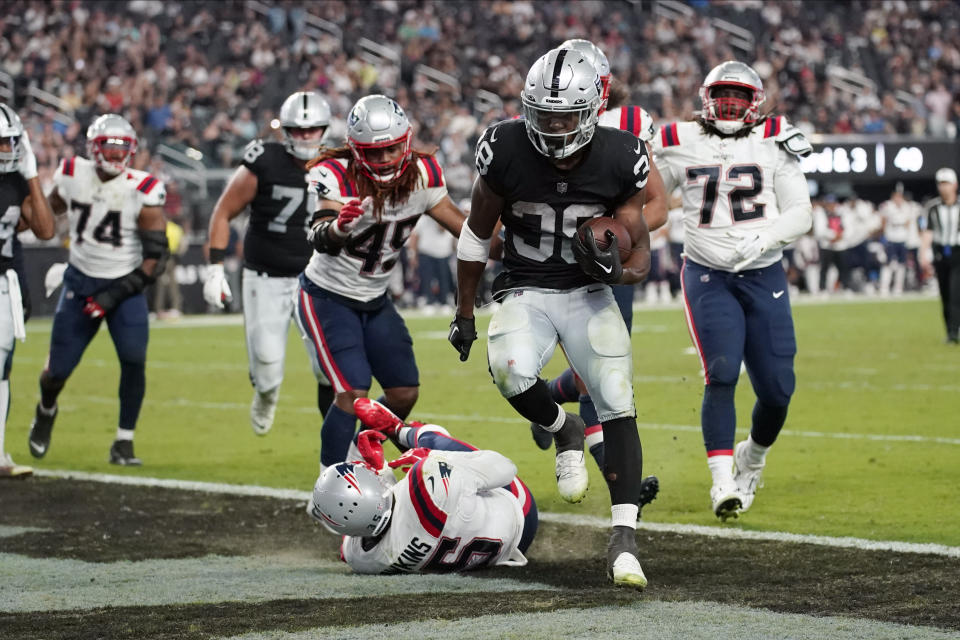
column 276, row 238
column 13, row 191
column 545, row 206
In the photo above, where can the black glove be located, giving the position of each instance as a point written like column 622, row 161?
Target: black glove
column 463, row 331
column 600, row 265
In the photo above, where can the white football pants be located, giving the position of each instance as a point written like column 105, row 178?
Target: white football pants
column 268, row 307
column 524, row 333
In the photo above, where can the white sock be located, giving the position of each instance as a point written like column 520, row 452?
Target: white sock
column 124, row 434
column 558, row 423
column 625, row 515
column 4, row 405
column 721, row 468
column 756, row 454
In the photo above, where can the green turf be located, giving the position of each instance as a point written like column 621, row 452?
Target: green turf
column 864, row 368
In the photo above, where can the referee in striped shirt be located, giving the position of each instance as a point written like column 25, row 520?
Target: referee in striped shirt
column 941, row 230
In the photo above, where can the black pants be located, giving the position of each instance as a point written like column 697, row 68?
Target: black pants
column 946, row 264
column 828, row 258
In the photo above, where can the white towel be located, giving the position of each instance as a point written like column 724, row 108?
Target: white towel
column 16, row 306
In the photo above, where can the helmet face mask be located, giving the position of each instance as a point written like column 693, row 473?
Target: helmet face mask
column 561, row 103
column 350, row 499
column 111, row 144
column 379, row 136
column 304, row 118
column 11, row 137
column 732, row 94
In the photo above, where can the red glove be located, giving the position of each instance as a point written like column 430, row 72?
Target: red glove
column 348, row 218
column 409, row 458
column 93, row 308
column 368, row 443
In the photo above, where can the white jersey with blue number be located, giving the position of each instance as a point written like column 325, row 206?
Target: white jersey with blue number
column 103, row 216
column 450, row 513
column 729, row 186
column 361, row 270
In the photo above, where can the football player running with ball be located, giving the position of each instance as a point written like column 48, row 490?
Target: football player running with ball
column 744, row 199
column 567, row 387
column 544, row 176
column 118, row 245
column 455, row 509
column 24, row 207
column 272, row 181
column 369, row 196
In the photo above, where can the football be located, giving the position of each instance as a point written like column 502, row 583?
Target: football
column 600, row 227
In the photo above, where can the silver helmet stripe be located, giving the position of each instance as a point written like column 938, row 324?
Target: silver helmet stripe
column 6, row 115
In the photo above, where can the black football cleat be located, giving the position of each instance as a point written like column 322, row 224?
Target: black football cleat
column 623, row 567
column 121, row 453
column 542, row 437
column 40, row 430
column 649, row 488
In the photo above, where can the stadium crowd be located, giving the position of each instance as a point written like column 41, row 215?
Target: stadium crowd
column 208, row 77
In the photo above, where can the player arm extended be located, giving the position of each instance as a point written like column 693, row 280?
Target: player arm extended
column 238, row 194
column 473, row 249
column 448, row 215
column 36, row 213
column 631, row 214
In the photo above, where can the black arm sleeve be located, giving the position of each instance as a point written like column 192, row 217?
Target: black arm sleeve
column 155, row 247
column 122, row 288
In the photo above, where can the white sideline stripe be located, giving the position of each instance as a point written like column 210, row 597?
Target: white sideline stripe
column 446, row 417
column 559, row 518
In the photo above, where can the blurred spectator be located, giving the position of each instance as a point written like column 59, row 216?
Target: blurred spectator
column 203, row 78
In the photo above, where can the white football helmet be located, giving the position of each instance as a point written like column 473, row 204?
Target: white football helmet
column 112, row 134
column 350, row 499
column 561, row 102
column 377, row 122
column 11, row 131
column 730, row 113
column 597, row 58
column 304, row 110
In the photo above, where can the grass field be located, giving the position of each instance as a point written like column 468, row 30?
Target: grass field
column 871, row 448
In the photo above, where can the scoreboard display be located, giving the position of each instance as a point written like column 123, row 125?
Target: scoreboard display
column 878, row 159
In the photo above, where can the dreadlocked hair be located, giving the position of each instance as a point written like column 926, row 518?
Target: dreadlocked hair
column 395, row 193
column 619, row 94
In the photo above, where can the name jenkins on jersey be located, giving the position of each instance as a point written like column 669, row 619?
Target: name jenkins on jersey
column 276, row 239
column 454, row 511
column 544, row 206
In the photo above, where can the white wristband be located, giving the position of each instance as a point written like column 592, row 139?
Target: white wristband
column 470, row 248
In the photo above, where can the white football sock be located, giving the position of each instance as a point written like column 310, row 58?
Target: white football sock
column 756, row 454
column 625, row 515
column 124, row 434
column 721, row 468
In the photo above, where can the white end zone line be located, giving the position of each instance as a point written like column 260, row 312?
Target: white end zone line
column 559, row 518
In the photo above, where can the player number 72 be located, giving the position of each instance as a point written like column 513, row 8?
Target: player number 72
column 742, row 206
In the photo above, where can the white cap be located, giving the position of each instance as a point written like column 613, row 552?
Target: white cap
column 946, row 174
